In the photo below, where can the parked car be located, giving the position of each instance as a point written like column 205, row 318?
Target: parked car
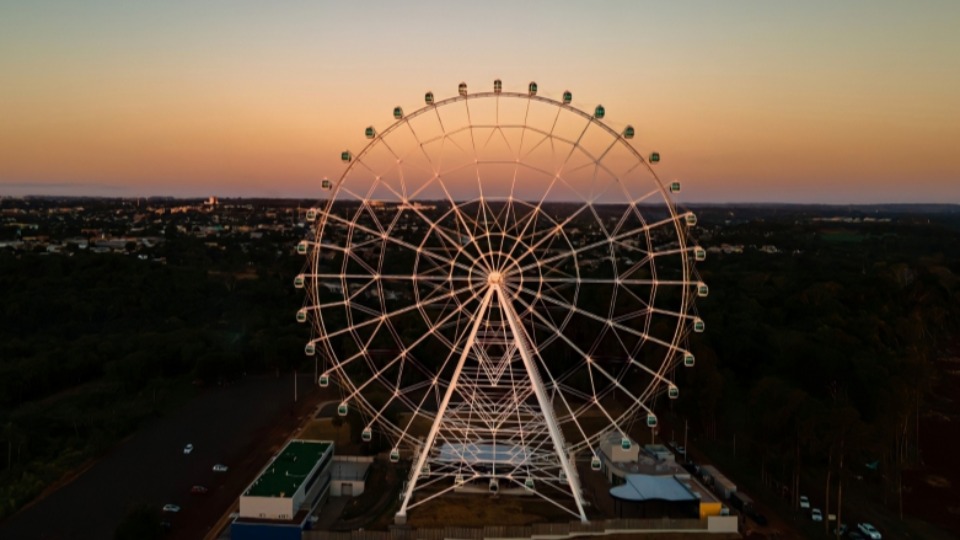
column 870, row 531
column 804, row 502
column 188, row 448
column 219, row 467
column 816, row 514
column 171, row 508
column 200, row 490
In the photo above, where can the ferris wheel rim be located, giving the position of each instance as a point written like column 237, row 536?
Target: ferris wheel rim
column 378, row 138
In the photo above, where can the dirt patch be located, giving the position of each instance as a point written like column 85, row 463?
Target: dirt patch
column 478, row 511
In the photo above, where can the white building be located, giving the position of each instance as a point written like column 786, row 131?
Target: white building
column 294, row 481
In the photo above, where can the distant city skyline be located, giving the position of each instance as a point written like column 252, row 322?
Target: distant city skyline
column 854, row 102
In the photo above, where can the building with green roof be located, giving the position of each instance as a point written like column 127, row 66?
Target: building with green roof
column 293, row 482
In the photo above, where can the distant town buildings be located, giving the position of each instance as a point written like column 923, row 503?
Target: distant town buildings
column 58, row 226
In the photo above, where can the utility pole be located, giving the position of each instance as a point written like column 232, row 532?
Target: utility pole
column 686, row 429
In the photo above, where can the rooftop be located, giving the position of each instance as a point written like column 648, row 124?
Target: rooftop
column 484, row 453
column 643, row 487
column 283, row 476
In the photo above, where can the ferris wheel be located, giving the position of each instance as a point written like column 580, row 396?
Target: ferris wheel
column 500, row 284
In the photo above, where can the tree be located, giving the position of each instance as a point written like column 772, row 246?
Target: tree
column 142, row 522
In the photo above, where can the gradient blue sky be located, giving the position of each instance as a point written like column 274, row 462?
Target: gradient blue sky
column 843, row 102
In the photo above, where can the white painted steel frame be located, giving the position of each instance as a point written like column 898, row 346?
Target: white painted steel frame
column 507, row 276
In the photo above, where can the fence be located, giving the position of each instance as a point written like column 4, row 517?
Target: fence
column 541, row 530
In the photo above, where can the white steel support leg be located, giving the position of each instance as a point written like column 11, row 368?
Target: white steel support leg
column 401, row 516
column 520, row 339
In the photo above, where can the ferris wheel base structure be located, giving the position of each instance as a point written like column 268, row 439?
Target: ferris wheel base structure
column 495, row 295
column 498, row 281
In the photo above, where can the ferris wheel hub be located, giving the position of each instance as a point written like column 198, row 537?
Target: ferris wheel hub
column 495, row 278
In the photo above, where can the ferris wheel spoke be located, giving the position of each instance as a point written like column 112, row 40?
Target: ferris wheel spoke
column 407, row 351
column 556, row 176
column 402, row 356
column 491, row 225
column 519, row 151
column 533, row 248
column 387, row 315
column 389, row 277
column 642, row 335
column 462, row 219
column 444, row 232
column 601, row 243
column 400, row 243
column 502, row 219
column 553, row 381
column 593, row 365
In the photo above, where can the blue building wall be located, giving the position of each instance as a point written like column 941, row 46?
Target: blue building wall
column 264, row 531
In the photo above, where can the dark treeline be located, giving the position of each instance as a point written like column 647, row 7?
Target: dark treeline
column 91, row 345
column 822, row 352
column 818, row 353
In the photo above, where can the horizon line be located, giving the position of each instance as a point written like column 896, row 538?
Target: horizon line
column 294, row 198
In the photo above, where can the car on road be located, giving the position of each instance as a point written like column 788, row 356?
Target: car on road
column 816, row 514
column 188, row 448
column 171, row 508
column 869, row 531
column 199, row 490
column 219, row 467
column 804, row 502
column 841, row 530
column 682, row 450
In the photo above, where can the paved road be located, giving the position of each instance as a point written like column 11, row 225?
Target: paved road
column 224, row 425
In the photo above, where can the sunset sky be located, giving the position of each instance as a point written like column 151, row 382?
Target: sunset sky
column 835, row 102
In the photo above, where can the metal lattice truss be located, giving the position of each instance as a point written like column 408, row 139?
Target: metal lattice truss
column 496, row 282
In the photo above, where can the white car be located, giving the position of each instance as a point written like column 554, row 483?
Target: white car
column 219, row 467
column 870, row 531
column 188, row 448
column 816, row 514
column 171, row 508
column 804, row 502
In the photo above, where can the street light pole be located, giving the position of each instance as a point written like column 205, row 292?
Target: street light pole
column 686, row 449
